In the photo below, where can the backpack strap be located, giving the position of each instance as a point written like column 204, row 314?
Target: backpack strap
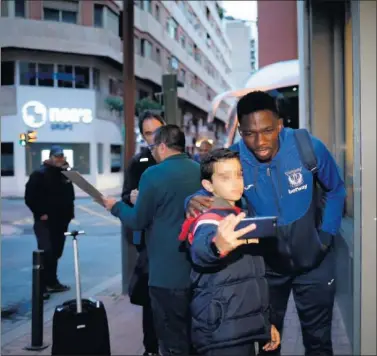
column 306, row 150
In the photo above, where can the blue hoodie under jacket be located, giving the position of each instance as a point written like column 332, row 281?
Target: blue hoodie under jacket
column 284, row 188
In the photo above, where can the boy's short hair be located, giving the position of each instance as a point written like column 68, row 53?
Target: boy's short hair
column 208, row 161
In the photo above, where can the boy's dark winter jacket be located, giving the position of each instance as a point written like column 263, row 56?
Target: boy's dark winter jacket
column 230, row 304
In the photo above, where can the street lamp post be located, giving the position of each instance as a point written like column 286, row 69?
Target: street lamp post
column 129, row 122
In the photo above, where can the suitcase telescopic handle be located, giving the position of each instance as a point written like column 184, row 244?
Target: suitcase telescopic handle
column 74, row 233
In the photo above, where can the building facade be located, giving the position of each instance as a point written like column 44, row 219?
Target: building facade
column 337, row 54
column 277, row 31
column 62, row 61
column 239, row 33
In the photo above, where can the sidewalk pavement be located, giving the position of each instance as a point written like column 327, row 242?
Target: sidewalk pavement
column 126, row 331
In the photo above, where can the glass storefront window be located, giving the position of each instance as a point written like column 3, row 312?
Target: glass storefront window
column 77, row 154
column 7, row 159
column 116, row 158
column 28, row 73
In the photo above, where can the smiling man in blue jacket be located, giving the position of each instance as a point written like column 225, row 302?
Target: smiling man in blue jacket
column 277, row 183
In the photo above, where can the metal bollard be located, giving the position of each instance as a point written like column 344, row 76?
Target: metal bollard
column 37, row 303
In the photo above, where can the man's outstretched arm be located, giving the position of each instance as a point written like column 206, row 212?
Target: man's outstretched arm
column 141, row 215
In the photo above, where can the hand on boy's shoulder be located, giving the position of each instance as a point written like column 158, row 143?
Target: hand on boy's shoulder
column 198, row 204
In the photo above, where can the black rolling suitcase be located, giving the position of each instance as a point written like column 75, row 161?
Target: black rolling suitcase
column 80, row 326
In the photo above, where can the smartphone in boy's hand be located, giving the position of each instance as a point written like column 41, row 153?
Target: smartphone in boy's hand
column 266, row 226
column 227, row 238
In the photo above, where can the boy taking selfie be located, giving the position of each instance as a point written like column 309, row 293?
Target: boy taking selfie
column 230, row 304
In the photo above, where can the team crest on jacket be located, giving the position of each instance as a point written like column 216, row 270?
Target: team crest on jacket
column 295, row 180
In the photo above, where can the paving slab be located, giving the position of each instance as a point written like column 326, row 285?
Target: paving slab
column 126, row 331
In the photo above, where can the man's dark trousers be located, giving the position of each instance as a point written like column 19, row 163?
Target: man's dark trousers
column 171, row 312
column 50, row 239
column 314, row 294
column 150, row 341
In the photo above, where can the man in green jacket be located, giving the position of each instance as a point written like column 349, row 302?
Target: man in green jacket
column 160, row 210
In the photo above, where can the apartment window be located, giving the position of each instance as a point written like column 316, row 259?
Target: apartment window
column 98, row 15
column 157, row 12
column 158, row 55
column 208, row 14
column 182, row 75
column 7, row 159
column 82, row 77
column 7, row 73
column 113, row 87
column 116, row 158
column 60, row 16
column 194, row 82
column 174, row 63
column 137, row 45
column 168, row 66
column 65, row 78
column 62, row 11
column 45, row 75
column 112, row 21
column 190, row 48
column 147, row 5
column 209, row 42
column 143, row 94
column 51, row 14
column 96, row 79
column 183, row 41
column 172, row 28
column 19, row 8
column 28, row 74
column 69, row 17
column 146, row 48
column 197, row 54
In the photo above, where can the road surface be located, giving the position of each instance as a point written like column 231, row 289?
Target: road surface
column 99, row 254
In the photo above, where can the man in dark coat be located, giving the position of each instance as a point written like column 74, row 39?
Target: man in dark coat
column 50, row 197
column 148, row 123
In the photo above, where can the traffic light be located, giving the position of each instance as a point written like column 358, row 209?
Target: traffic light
column 22, row 139
column 31, row 136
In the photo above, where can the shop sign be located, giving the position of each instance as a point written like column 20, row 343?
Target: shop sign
column 35, row 115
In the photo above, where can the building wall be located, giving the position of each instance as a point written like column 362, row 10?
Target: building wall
column 338, row 101
column 204, row 70
column 90, row 134
column 277, row 31
column 367, row 142
column 239, row 34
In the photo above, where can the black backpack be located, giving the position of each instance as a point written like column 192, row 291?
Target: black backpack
column 309, row 160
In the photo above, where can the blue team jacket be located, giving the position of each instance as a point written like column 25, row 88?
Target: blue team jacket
column 286, row 189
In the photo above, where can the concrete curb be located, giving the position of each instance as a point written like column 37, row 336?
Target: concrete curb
column 24, row 327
